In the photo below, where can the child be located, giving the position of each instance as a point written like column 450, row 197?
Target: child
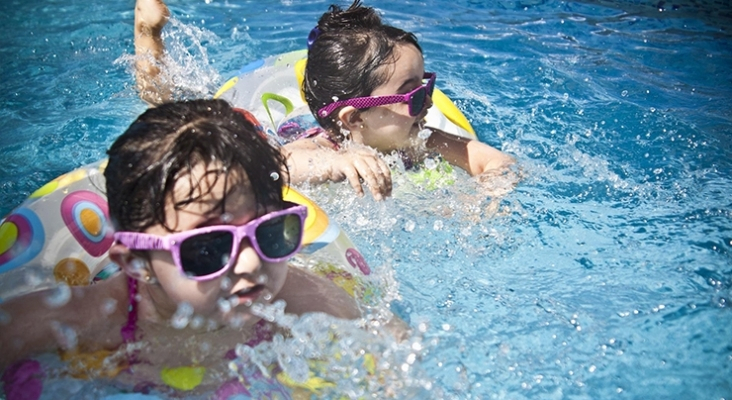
column 305, row 164
column 365, row 83
column 195, row 196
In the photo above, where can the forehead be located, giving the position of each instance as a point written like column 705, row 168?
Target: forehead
column 207, row 192
column 408, row 68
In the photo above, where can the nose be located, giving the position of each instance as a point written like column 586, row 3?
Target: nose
column 428, row 102
column 247, row 261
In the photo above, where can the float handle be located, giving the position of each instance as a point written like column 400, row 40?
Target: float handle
column 280, row 99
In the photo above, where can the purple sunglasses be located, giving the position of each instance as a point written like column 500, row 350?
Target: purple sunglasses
column 416, row 99
column 206, row 253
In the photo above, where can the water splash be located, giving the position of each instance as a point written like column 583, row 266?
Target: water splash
column 182, row 316
column 58, row 296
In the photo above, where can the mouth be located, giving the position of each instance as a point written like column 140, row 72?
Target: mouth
column 246, row 296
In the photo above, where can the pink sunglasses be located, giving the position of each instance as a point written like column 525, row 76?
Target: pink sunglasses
column 416, row 99
column 206, row 253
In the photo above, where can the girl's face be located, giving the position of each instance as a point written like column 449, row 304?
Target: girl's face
column 247, row 281
column 390, row 127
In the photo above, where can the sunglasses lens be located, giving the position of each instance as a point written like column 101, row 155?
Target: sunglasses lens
column 417, row 101
column 206, row 253
column 279, row 237
column 430, row 86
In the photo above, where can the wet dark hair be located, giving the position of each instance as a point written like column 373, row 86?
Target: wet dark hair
column 345, row 58
column 167, row 142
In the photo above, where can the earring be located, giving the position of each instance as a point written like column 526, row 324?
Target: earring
column 140, row 269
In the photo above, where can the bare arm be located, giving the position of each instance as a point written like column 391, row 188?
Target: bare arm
column 471, row 155
column 91, row 319
column 150, row 18
column 315, row 161
column 306, row 292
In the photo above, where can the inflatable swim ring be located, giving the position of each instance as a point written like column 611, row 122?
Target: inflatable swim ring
column 62, row 233
column 270, row 89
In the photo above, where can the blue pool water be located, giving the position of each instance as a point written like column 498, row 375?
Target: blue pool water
column 605, row 273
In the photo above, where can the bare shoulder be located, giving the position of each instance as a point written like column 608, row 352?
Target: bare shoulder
column 63, row 318
column 306, row 292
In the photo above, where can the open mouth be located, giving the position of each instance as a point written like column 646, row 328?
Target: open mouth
column 246, row 296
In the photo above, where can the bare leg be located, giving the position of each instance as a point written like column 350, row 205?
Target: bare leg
column 150, row 18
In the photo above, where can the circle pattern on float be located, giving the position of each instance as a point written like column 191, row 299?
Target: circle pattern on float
column 21, row 239
column 86, row 216
column 72, row 271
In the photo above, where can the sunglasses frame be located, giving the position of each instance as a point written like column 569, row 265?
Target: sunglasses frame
column 172, row 242
column 374, row 101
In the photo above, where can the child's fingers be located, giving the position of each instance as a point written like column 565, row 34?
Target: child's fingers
column 372, row 172
column 385, row 174
column 354, row 179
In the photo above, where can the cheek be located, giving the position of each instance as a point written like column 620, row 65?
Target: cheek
column 276, row 274
column 202, row 296
column 388, row 130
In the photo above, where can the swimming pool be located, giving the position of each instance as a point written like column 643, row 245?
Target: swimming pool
column 606, row 273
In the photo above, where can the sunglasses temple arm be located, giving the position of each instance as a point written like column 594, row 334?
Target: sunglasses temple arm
column 140, row 241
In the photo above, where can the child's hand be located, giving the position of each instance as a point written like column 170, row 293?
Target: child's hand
column 360, row 166
column 313, row 162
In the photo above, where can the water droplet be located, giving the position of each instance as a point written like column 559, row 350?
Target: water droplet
column 32, row 279
column 137, row 266
column 58, row 296
column 275, row 176
column 197, row 322
column 438, row 225
column 409, row 226
column 65, row 335
column 424, row 134
column 182, row 316
column 226, row 218
column 624, row 93
column 225, row 283
column 224, row 305
column 108, row 306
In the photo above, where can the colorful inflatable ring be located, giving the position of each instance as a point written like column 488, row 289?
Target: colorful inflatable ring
column 270, row 89
column 62, row 233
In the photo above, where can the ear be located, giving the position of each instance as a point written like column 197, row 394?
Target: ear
column 350, row 117
column 352, row 120
column 129, row 262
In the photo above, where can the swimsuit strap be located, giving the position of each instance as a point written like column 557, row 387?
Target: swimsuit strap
column 128, row 330
column 327, row 137
column 318, row 131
